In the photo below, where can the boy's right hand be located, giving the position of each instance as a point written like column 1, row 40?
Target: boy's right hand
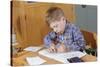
column 52, row 48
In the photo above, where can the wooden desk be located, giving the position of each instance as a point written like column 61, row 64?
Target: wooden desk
column 21, row 60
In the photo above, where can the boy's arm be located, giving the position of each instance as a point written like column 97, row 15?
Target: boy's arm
column 78, row 39
column 47, row 41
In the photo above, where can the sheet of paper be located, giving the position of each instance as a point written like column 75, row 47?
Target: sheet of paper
column 61, row 57
column 33, row 49
column 35, row 60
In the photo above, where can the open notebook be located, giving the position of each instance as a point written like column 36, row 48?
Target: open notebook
column 61, row 57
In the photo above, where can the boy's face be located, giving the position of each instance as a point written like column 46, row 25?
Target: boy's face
column 58, row 26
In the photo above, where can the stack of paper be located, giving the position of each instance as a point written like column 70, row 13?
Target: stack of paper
column 61, row 57
column 33, row 49
column 35, row 60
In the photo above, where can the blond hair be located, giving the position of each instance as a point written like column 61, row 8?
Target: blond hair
column 54, row 14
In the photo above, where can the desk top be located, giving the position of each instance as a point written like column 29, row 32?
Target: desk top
column 21, row 60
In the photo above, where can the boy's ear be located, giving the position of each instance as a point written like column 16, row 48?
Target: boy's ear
column 63, row 18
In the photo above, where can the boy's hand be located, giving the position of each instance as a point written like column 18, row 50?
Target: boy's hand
column 62, row 48
column 52, row 48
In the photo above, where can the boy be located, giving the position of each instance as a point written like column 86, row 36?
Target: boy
column 65, row 36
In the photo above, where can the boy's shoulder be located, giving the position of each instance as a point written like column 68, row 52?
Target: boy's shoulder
column 71, row 25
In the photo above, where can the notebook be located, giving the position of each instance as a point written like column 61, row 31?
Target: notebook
column 62, row 57
column 35, row 60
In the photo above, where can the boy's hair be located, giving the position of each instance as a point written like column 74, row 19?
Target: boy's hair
column 54, row 14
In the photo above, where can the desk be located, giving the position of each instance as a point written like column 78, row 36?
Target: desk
column 21, row 61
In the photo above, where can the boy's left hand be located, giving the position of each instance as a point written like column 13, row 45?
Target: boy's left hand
column 62, row 48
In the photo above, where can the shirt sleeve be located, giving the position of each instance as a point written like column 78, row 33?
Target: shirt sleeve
column 48, row 39
column 78, row 39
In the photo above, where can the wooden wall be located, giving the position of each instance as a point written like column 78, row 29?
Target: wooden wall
column 28, row 20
